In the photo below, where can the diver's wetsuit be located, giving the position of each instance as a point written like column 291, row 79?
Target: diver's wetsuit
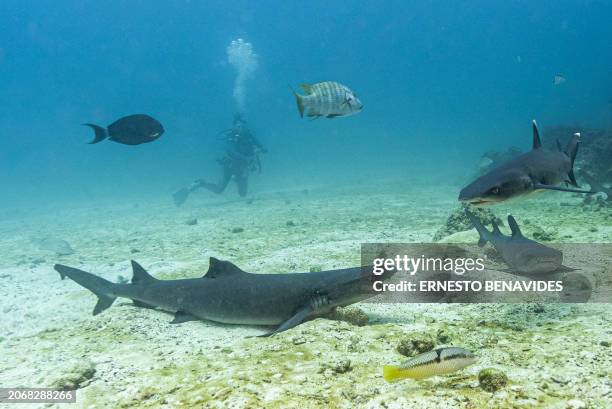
column 240, row 158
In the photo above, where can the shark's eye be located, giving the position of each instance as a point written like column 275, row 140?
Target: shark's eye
column 494, row 191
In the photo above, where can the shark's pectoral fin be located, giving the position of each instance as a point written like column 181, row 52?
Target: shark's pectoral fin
column 312, row 306
column 297, row 319
column 181, row 317
column 559, row 188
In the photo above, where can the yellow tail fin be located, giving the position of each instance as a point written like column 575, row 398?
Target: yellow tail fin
column 391, row 373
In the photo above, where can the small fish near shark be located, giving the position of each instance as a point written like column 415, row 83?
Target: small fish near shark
column 521, row 254
column 229, row 295
column 129, row 130
column 441, row 361
column 537, row 170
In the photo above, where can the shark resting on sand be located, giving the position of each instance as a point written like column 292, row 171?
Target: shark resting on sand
column 226, row 294
column 537, row 170
column 524, row 256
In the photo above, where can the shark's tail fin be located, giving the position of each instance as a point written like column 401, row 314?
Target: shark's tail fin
column 571, row 150
column 180, row 196
column 97, row 285
column 482, row 231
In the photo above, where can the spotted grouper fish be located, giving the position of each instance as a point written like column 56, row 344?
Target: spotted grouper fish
column 438, row 362
column 329, row 99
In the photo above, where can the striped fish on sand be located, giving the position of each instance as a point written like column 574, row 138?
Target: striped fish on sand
column 329, row 99
column 438, row 362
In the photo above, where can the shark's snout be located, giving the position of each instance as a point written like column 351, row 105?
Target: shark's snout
column 474, row 197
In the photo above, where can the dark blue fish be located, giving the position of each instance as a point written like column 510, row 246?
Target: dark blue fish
column 129, row 130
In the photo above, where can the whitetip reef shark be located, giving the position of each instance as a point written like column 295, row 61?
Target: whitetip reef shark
column 537, row 170
column 226, row 294
column 521, row 254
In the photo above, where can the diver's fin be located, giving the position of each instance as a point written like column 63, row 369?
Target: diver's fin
column 514, row 227
column 140, row 275
column 482, row 231
column 181, row 317
column 307, row 88
column 537, row 143
column 314, row 303
column 100, row 135
column 181, row 196
column 219, row 268
column 100, row 287
column 561, row 189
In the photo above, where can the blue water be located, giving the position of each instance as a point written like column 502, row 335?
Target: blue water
column 441, row 82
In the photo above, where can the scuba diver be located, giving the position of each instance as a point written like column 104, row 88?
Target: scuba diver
column 241, row 156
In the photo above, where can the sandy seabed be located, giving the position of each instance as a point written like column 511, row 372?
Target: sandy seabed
column 554, row 355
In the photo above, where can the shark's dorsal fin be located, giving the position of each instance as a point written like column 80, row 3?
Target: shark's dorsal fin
column 514, row 227
column 496, row 230
column 537, row 143
column 220, row 268
column 140, row 275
